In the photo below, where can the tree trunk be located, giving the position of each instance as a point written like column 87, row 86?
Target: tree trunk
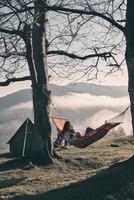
column 130, row 53
column 41, row 144
column 41, row 96
column 37, row 61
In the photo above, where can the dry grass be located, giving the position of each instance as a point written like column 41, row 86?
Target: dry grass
column 80, row 174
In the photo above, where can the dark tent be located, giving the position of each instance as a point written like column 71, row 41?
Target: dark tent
column 20, row 143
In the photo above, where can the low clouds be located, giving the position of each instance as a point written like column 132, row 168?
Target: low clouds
column 18, row 113
column 88, row 100
column 27, row 105
column 12, row 118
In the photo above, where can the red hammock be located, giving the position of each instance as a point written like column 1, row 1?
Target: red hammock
column 93, row 135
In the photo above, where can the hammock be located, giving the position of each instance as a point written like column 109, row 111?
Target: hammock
column 59, row 122
column 93, row 135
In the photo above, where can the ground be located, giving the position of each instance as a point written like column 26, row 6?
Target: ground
column 98, row 172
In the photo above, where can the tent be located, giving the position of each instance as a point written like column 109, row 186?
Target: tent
column 20, row 143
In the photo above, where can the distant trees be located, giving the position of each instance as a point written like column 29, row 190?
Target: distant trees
column 119, row 132
column 66, row 39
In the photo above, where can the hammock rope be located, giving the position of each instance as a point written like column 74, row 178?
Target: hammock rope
column 118, row 118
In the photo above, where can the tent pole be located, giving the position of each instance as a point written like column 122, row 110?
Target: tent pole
column 25, row 138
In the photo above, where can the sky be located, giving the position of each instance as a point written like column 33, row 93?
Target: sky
column 94, row 33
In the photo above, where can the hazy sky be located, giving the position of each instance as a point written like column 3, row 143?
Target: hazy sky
column 93, row 34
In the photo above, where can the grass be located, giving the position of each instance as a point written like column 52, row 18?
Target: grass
column 95, row 173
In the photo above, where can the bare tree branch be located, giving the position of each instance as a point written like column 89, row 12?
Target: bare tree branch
column 74, row 56
column 8, row 81
column 11, row 32
column 18, row 11
column 85, row 12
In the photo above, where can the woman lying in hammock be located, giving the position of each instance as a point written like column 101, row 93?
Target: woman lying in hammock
column 68, row 133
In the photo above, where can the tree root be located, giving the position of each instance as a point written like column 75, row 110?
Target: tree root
column 55, row 155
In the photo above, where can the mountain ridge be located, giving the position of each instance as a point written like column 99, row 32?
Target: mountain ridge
column 25, row 95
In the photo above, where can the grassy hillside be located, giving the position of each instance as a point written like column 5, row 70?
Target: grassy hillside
column 94, row 173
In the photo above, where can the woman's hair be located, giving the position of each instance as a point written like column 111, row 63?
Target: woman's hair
column 66, row 126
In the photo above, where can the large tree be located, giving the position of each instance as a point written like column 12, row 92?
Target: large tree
column 74, row 39
column 23, row 37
